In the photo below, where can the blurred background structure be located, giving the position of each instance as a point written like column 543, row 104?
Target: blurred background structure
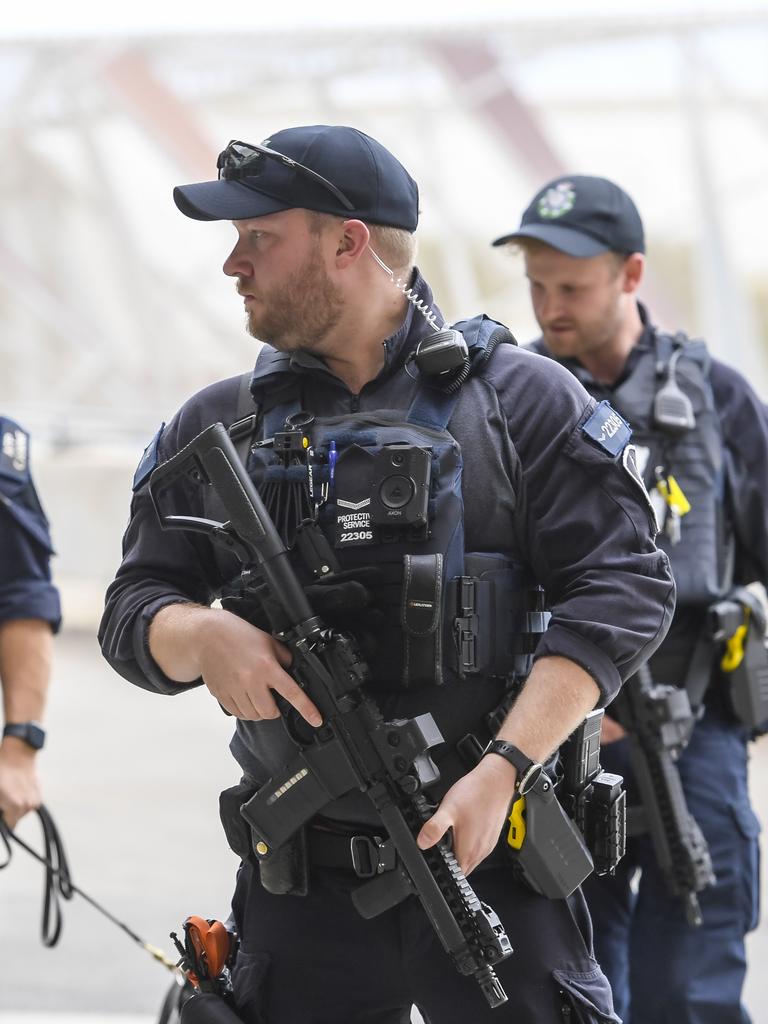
column 113, row 308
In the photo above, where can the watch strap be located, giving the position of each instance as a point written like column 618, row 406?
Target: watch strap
column 32, row 733
column 528, row 770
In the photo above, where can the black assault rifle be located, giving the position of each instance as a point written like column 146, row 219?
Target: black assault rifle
column 659, row 722
column 354, row 749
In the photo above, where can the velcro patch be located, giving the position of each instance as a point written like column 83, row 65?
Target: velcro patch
column 607, row 429
column 148, row 460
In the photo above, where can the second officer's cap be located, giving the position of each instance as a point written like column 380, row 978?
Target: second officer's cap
column 581, row 216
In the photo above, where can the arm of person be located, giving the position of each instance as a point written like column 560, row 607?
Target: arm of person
column 555, row 699
column 584, row 525
column 25, row 670
column 242, row 666
column 744, row 420
column 159, row 630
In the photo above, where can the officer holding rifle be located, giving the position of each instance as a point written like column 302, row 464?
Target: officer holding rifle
column 427, row 483
column 673, row 948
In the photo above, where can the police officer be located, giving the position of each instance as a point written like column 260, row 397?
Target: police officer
column 29, row 616
column 323, row 259
column 706, row 464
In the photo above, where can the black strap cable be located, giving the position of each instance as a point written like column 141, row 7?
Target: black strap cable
column 58, row 884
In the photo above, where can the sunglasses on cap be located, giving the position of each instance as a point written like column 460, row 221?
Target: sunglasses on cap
column 241, row 160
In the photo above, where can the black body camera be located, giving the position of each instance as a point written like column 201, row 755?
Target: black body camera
column 382, row 496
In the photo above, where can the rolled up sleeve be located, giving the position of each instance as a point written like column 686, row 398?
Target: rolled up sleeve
column 26, row 588
column 159, row 568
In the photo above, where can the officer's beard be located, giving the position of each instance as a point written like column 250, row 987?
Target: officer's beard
column 299, row 313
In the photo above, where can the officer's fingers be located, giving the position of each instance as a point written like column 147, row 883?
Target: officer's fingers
column 470, row 853
column 229, row 703
column 433, row 830
column 12, row 819
column 293, row 693
column 282, row 653
column 12, row 812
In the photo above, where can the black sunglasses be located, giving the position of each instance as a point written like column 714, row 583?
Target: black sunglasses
column 245, row 160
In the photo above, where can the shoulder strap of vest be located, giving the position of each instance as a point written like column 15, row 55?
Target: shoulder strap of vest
column 667, row 344
column 243, row 426
column 274, row 368
column 432, row 406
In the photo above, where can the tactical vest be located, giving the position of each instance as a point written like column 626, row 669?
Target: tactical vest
column 700, row 546
column 384, row 489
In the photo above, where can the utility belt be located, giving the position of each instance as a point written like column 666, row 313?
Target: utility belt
column 571, row 823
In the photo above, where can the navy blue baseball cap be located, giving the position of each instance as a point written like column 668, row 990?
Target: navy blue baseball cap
column 328, row 168
column 581, row 216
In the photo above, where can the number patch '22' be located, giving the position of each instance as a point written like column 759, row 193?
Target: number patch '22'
column 607, row 429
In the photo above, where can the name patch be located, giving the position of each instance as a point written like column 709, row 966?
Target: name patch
column 607, row 429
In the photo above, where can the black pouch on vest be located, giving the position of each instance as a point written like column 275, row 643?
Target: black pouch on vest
column 236, row 829
column 422, row 618
column 498, row 621
column 287, row 871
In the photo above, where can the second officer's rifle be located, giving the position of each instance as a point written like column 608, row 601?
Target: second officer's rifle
column 659, row 722
column 354, row 748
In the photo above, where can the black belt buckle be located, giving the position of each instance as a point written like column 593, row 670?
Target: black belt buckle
column 371, row 855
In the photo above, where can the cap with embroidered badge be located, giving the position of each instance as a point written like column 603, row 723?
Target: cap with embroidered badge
column 327, row 168
column 582, row 216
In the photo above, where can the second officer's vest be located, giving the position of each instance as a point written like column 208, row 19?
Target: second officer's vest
column 701, row 555
column 385, row 490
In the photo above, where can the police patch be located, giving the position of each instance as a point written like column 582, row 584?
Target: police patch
column 607, row 429
column 557, row 201
column 148, row 460
column 14, row 450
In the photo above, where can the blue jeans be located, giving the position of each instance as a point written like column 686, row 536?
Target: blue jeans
column 663, row 971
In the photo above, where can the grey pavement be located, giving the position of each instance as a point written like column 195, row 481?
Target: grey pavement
column 132, row 779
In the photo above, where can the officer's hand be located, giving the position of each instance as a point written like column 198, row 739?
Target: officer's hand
column 476, row 808
column 19, row 788
column 611, row 730
column 242, row 666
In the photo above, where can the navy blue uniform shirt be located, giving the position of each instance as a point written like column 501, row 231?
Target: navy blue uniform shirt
column 535, row 485
column 26, row 591
column 744, row 423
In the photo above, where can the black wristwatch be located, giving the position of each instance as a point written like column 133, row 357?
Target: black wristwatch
column 528, row 771
column 32, row 733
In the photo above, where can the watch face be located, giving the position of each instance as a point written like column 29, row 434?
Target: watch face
column 529, row 778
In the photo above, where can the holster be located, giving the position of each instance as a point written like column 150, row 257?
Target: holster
column 286, row 872
column 739, row 622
